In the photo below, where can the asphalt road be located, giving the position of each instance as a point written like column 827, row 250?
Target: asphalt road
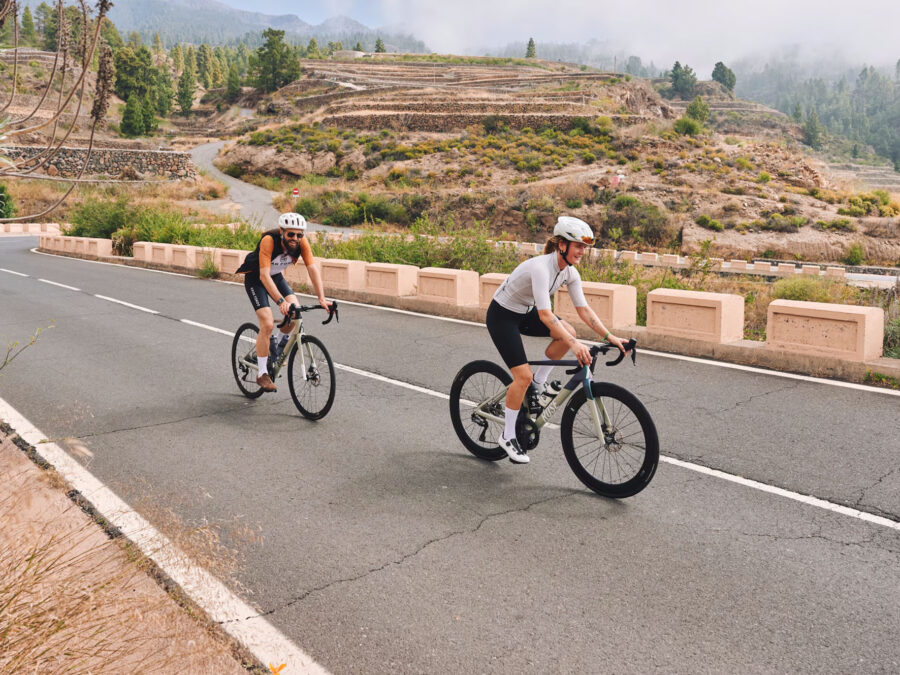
column 387, row 548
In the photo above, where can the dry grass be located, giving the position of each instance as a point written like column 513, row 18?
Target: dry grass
column 73, row 600
column 34, row 196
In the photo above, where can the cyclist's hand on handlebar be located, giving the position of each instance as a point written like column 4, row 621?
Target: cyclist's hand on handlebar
column 326, row 304
column 613, row 340
column 582, row 353
column 284, row 307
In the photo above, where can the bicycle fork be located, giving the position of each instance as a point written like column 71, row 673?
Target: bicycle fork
column 602, row 424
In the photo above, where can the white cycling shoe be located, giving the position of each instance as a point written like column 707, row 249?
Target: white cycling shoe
column 513, row 451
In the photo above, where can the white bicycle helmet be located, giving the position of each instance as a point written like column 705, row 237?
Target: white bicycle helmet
column 292, row 221
column 573, row 229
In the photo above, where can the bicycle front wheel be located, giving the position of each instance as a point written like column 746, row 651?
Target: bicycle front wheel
column 620, row 461
column 243, row 360
column 311, row 378
column 475, row 383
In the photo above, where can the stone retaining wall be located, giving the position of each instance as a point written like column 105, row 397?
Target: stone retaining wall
column 441, row 122
column 110, row 162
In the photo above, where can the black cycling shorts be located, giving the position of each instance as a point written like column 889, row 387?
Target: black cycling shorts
column 507, row 328
column 259, row 296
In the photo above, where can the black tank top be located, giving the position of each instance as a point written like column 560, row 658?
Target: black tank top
column 251, row 262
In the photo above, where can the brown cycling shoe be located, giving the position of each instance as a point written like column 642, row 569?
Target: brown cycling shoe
column 265, row 382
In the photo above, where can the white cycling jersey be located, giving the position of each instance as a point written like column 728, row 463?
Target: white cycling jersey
column 533, row 282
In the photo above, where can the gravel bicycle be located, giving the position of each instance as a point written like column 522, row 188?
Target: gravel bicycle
column 608, row 437
column 310, row 370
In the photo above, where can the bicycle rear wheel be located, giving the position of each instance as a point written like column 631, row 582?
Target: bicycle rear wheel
column 243, row 354
column 622, row 461
column 312, row 388
column 475, row 383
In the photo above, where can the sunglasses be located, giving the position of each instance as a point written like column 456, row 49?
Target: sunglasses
column 588, row 240
column 293, row 235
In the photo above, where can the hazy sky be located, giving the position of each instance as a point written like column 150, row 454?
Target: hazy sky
column 698, row 32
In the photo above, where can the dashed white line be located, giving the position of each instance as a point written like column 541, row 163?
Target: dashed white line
column 211, row 328
column 56, row 283
column 18, row 274
column 126, row 304
column 222, row 606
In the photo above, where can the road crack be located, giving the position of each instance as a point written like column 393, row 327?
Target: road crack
column 399, row 561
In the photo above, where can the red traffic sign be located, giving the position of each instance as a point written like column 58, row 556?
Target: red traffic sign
column 296, row 192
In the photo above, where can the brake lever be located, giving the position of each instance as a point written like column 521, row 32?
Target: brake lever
column 629, row 346
column 332, row 314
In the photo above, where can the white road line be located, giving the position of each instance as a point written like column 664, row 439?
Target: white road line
column 662, row 355
column 212, row 328
column 18, row 274
column 740, row 480
column 127, row 304
column 788, row 494
column 56, row 283
column 222, row 606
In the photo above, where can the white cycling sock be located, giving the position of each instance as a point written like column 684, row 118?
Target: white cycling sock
column 263, row 362
column 541, row 373
column 509, row 431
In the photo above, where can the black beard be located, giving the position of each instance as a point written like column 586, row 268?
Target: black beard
column 291, row 245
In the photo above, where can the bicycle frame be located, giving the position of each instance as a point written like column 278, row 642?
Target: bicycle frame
column 583, row 377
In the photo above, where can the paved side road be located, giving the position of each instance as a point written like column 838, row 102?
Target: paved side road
column 255, row 202
column 388, row 548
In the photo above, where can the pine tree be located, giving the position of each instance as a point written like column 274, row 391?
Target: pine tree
column 177, row 57
column 312, row 49
column 275, row 63
column 698, row 110
column 813, row 130
column 359, row 48
column 157, row 44
column 42, row 18
column 29, row 34
column 531, row 49
column 6, row 32
column 134, row 40
column 233, row 87
column 133, row 117
column 379, row 46
column 724, row 76
column 187, row 85
column 797, row 113
column 683, row 80
column 165, row 92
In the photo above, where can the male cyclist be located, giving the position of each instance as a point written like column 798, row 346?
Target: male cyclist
column 276, row 251
column 521, row 306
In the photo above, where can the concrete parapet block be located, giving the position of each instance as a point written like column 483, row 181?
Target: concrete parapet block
column 334, row 236
column 712, row 317
column 670, row 259
column 101, row 248
column 631, row 256
column 349, row 275
column 186, row 256
column 786, row 269
column 161, row 254
column 825, row 329
column 716, row 263
column 228, row 259
column 738, row 265
column 449, row 286
column 69, row 244
column 529, row 248
column 648, row 257
column 812, row 270
column 140, row 250
column 390, row 279
column 604, row 252
column 835, row 272
column 487, row 286
column 615, row 304
column 298, row 274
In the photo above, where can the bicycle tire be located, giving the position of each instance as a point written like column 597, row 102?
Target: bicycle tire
column 479, row 439
column 308, row 390
column 240, row 348
column 626, row 463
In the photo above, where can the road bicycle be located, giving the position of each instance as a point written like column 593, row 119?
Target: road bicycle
column 608, row 437
column 310, row 370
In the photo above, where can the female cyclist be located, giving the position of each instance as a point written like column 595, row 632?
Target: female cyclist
column 521, row 306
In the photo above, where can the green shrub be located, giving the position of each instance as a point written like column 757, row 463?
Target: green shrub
column 234, row 171
column 856, row 254
column 892, row 339
column 710, row 224
column 763, row 177
column 809, row 289
column 644, row 221
column 7, row 206
column 839, row 224
column 573, row 203
column 687, row 126
column 208, row 269
column 344, row 215
column 744, row 163
column 588, row 158
column 308, row 207
column 100, row 219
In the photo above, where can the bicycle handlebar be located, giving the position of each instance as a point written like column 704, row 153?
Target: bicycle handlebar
column 295, row 311
column 630, row 346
